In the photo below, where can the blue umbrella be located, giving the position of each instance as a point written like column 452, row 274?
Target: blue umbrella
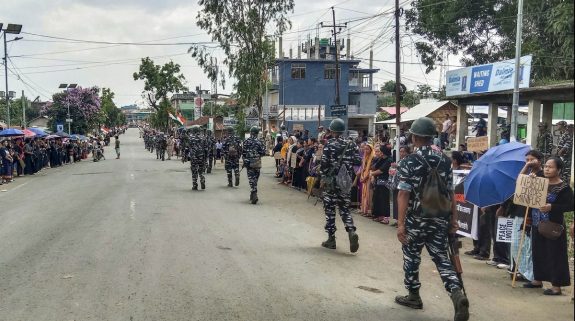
column 11, row 132
column 493, row 176
column 38, row 131
column 74, row 137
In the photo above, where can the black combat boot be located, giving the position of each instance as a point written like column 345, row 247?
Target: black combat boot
column 195, row 188
column 353, row 241
column 209, row 170
column 237, row 180
column 330, row 242
column 254, row 197
column 203, row 184
column 412, row 300
column 460, row 304
column 230, row 181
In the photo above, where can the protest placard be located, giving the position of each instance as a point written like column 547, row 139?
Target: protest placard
column 531, row 191
column 467, row 214
column 299, row 127
column 478, row 144
column 504, row 229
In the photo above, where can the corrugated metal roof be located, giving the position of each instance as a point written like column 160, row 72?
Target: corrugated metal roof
column 418, row 111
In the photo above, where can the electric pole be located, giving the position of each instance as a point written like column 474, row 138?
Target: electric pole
column 515, row 106
column 397, row 81
column 335, row 32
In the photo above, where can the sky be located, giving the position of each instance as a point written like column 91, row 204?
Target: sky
column 39, row 63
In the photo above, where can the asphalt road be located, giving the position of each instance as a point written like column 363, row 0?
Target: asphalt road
column 129, row 240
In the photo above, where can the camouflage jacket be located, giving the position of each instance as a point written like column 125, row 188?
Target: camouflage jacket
column 565, row 141
column 331, row 153
column 545, row 143
column 253, row 149
column 210, row 145
column 412, row 171
column 197, row 148
column 232, row 141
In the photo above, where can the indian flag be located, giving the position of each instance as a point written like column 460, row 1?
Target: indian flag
column 176, row 119
column 181, row 118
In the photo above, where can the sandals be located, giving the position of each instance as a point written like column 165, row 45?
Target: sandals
column 551, row 292
column 533, row 286
column 385, row 220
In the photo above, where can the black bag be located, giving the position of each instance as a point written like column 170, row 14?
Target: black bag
column 550, row 230
column 233, row 151
column 433, row 193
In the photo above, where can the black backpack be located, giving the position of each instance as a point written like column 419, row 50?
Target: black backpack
column 433, row 193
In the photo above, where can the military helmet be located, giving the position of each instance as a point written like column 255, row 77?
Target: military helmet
column 209, row 132
column 230, row 130
column 196, row 129
column 424, row 127
column 254, row 130
column 337, row 125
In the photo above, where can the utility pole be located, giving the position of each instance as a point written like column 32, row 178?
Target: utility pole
column 6, row 79
column 23, row 101
column 397, row 81
column 515, row 106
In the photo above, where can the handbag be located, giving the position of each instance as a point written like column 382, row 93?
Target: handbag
column 550, row 230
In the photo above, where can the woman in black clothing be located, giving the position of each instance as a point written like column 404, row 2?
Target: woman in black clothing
column 277, row 149
column 380, row 174
column 550, row 262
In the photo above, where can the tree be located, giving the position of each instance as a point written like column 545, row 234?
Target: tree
column 484, row 32
column 112, row 116
column 389, row 86
column 84, row 106
column 240, row 27
column 381, row 116
column 159, row 81
column 424, row 91
column 410, row 98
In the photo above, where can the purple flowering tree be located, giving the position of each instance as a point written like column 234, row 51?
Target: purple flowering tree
column 84, row 109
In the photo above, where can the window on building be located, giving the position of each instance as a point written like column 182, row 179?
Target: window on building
column 329, row 71
column 298, row 71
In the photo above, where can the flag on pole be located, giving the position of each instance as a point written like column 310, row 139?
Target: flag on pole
column 176, row 119
column 181, row 118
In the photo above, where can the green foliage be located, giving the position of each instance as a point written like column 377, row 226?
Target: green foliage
column 484, row 32
column 381, row 116
column 410, row 99
column 110, row 113
column 159, row 81
column 84, row 106
column 389, row 86
column 240, row 28
column 159, row 118
column 424, row 91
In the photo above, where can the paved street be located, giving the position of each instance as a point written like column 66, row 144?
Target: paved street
column 129, row 240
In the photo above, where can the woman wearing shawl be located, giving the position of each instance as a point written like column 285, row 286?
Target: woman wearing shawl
column 379, row 170
column 550, row 262
column 364, row 182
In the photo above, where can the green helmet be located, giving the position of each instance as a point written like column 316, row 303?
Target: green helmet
column 254, row 130
column 230, row 130
column 424, row 127
column 196, row 129
column 209, row 132
column 337, row 125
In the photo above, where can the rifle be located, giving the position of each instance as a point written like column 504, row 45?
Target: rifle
column 453, row 254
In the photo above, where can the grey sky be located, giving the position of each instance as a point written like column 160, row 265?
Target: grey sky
column 43, row 63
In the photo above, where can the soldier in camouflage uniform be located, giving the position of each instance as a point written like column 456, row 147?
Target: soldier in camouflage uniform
column 544, row 141
column 232, row 150
column 210, row 148
column 332, row 195
column 197, row 157
column 253, row 150
column 415, row 231
column 185, row 146
column 161, row 145
column 565, row 148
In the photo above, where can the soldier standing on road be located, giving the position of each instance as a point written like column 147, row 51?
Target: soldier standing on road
column 417, row 229
column 253, row 150
column 210, row 146
column 338, row 151
column 197, row 157
column 117, row 147
column 565, row 148
column 232, row 149
column 544, row 141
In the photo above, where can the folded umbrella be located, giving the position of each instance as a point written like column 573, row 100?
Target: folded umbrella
column 493, row 176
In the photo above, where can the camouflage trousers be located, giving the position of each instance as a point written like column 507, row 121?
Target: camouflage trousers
column 566, row 172
column 334, row 198
column 198, row 168
column 232, row 165
column 431, row 233
column 210, row 163
column 253, row 177
column 160, row 153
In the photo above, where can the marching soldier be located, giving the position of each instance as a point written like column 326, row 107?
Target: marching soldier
column 253, row 150
column 210, row 147
column 338, row 152
column 418, row 228
column 565, row 148
column 197, row 157
column 232, row 149
column 544, row 141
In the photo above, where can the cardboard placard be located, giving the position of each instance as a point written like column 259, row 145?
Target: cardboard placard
column 467, row 213
column 531, row 191
column 478, row 144
column 298, row 127
column 504, row 229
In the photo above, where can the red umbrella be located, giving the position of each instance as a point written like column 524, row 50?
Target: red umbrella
column 28, row 133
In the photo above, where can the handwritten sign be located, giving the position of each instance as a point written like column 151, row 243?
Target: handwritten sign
column 478, row 144
column 504, row 229
column 298, row 127
column 531, row 191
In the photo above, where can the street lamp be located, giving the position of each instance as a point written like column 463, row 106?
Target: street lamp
column 13, row 29
column 68, row 119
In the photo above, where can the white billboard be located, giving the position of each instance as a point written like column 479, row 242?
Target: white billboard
column 488, row 78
